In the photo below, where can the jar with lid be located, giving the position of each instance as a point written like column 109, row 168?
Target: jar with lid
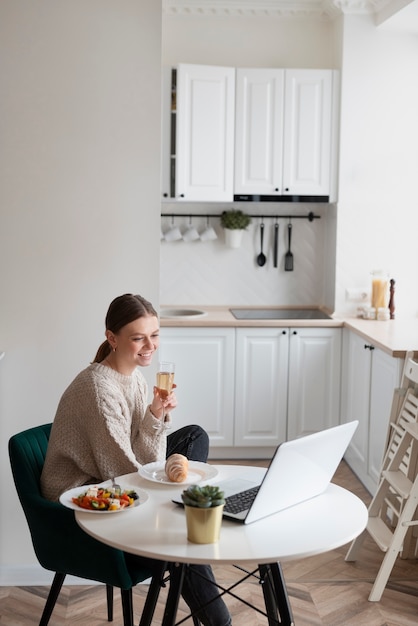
column 383, row 314
column 380, row 289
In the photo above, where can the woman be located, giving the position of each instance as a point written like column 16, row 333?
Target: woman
column 104, row 426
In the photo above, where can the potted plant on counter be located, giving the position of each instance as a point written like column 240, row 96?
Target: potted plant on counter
column 204, row 507
column 234, row 222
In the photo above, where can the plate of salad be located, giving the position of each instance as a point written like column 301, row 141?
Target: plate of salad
column 102, row 499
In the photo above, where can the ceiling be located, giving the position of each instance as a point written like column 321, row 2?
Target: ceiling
column 406, row 11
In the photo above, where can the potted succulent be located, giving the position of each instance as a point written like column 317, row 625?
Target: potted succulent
column 204, row 507
column 234, row 222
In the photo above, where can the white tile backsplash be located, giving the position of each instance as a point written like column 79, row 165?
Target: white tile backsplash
column 212, row 274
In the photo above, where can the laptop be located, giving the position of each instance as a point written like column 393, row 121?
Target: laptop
column 299, row 470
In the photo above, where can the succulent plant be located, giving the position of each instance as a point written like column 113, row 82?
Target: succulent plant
column 203, row 497
column 235, row 220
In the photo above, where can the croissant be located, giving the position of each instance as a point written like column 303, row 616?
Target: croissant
column 176, row 468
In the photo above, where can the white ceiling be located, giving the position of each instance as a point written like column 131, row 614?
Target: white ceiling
column 381, row 10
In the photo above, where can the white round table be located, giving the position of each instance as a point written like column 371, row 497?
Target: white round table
column 157, row 530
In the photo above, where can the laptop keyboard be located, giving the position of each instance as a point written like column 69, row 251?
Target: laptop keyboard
column 240, row 501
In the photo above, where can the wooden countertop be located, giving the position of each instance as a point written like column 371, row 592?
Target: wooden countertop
column 395, row 337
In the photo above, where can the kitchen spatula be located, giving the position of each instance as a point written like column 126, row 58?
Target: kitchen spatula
column 288, row 257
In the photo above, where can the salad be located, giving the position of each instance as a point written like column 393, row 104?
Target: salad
column 105, row 499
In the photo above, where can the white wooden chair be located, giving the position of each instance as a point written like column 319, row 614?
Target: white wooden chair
column 392, row 520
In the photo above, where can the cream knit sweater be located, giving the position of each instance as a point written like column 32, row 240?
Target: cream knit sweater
column 102, row 428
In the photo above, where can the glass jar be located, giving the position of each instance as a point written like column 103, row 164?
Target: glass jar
column 369, row 313
column 383, row 314
column 380, row 289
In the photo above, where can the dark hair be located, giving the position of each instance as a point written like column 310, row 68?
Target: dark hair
column 123, row 310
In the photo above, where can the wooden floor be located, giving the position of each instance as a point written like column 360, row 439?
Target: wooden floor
column 324, row 591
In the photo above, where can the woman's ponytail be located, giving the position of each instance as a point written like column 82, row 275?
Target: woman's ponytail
column 104, row 350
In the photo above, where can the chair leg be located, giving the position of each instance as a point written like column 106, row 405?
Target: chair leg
column 109, row 598
column 127, row 607
column 157, row 582
column 52, row 598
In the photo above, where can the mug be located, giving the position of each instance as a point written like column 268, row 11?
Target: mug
column 174, row 234
column 191, row 234
column 209, row 234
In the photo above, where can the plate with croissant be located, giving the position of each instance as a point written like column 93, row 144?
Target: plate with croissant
column 177, row 469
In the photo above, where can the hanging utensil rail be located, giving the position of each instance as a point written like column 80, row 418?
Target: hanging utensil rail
column 310, row 216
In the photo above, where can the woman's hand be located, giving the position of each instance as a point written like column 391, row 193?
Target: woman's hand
column 159, row 406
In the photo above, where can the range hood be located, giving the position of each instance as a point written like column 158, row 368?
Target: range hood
column 256, row 198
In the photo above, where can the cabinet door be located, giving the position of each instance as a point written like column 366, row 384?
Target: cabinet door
column 261, row 386
column 204, row 359
column 259, row 131
column 385, row 377
column 205, row 133
column 307, row 132
column 356, row 399
column 314, row 380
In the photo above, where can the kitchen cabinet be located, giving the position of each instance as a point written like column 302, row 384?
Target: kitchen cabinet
column 205, row 373
column 201, row 134
column 252, row 388
column 243, row 133
column 261, row 386
column 284, row 131
column 314, row 380
column 370, row 377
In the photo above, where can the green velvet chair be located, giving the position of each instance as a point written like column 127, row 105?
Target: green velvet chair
column 60, row 544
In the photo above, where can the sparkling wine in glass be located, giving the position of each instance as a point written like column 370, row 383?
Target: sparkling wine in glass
column 165, row 378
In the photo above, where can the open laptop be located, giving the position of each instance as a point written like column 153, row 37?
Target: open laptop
column 299, row 470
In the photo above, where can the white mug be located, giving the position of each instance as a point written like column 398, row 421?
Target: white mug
column 191, row 234
column 209, row 234
column 174, row 234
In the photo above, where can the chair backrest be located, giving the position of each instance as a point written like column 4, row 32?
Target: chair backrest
column 59, row 543
column 27, row 452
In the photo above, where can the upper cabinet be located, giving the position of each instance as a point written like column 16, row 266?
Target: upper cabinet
column 283, row 133
column 249, row 134
column 202, row 134
column 259, row 132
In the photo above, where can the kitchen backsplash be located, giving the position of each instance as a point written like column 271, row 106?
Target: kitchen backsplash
column 210, row 273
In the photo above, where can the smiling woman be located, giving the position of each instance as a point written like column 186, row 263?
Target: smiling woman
column 105, row 427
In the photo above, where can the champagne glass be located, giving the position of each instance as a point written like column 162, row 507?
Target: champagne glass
column 165, row 380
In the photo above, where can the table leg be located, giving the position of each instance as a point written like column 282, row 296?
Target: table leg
column 152, row 596
column 281, row 601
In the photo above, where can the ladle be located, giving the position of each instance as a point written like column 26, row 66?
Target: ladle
column 261, row 259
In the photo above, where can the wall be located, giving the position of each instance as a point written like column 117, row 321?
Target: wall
column 209, row 273
column 378, row 160
column 79, row 204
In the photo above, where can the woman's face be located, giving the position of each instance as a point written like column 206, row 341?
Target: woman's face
column 135, row 343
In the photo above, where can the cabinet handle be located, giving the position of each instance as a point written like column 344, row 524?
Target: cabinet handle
column 284, row 332
column 286, row 188
column 294, row 332
column 368, row 347
column 276, row 189
column 181, row 195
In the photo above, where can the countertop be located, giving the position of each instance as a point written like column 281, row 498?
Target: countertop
column 395, row 337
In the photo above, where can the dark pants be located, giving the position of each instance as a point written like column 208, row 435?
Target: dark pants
column 190, row 441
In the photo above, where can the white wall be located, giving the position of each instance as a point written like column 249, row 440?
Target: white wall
column 79, row 201
column 210, row 273
column 378, row 160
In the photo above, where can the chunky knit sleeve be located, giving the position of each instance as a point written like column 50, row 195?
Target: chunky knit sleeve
column 102, row 428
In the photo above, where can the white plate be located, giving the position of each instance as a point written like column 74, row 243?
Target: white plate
column 197, row 472
column 66, row 499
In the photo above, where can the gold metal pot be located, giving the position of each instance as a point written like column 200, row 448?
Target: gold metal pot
column 203, row 525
